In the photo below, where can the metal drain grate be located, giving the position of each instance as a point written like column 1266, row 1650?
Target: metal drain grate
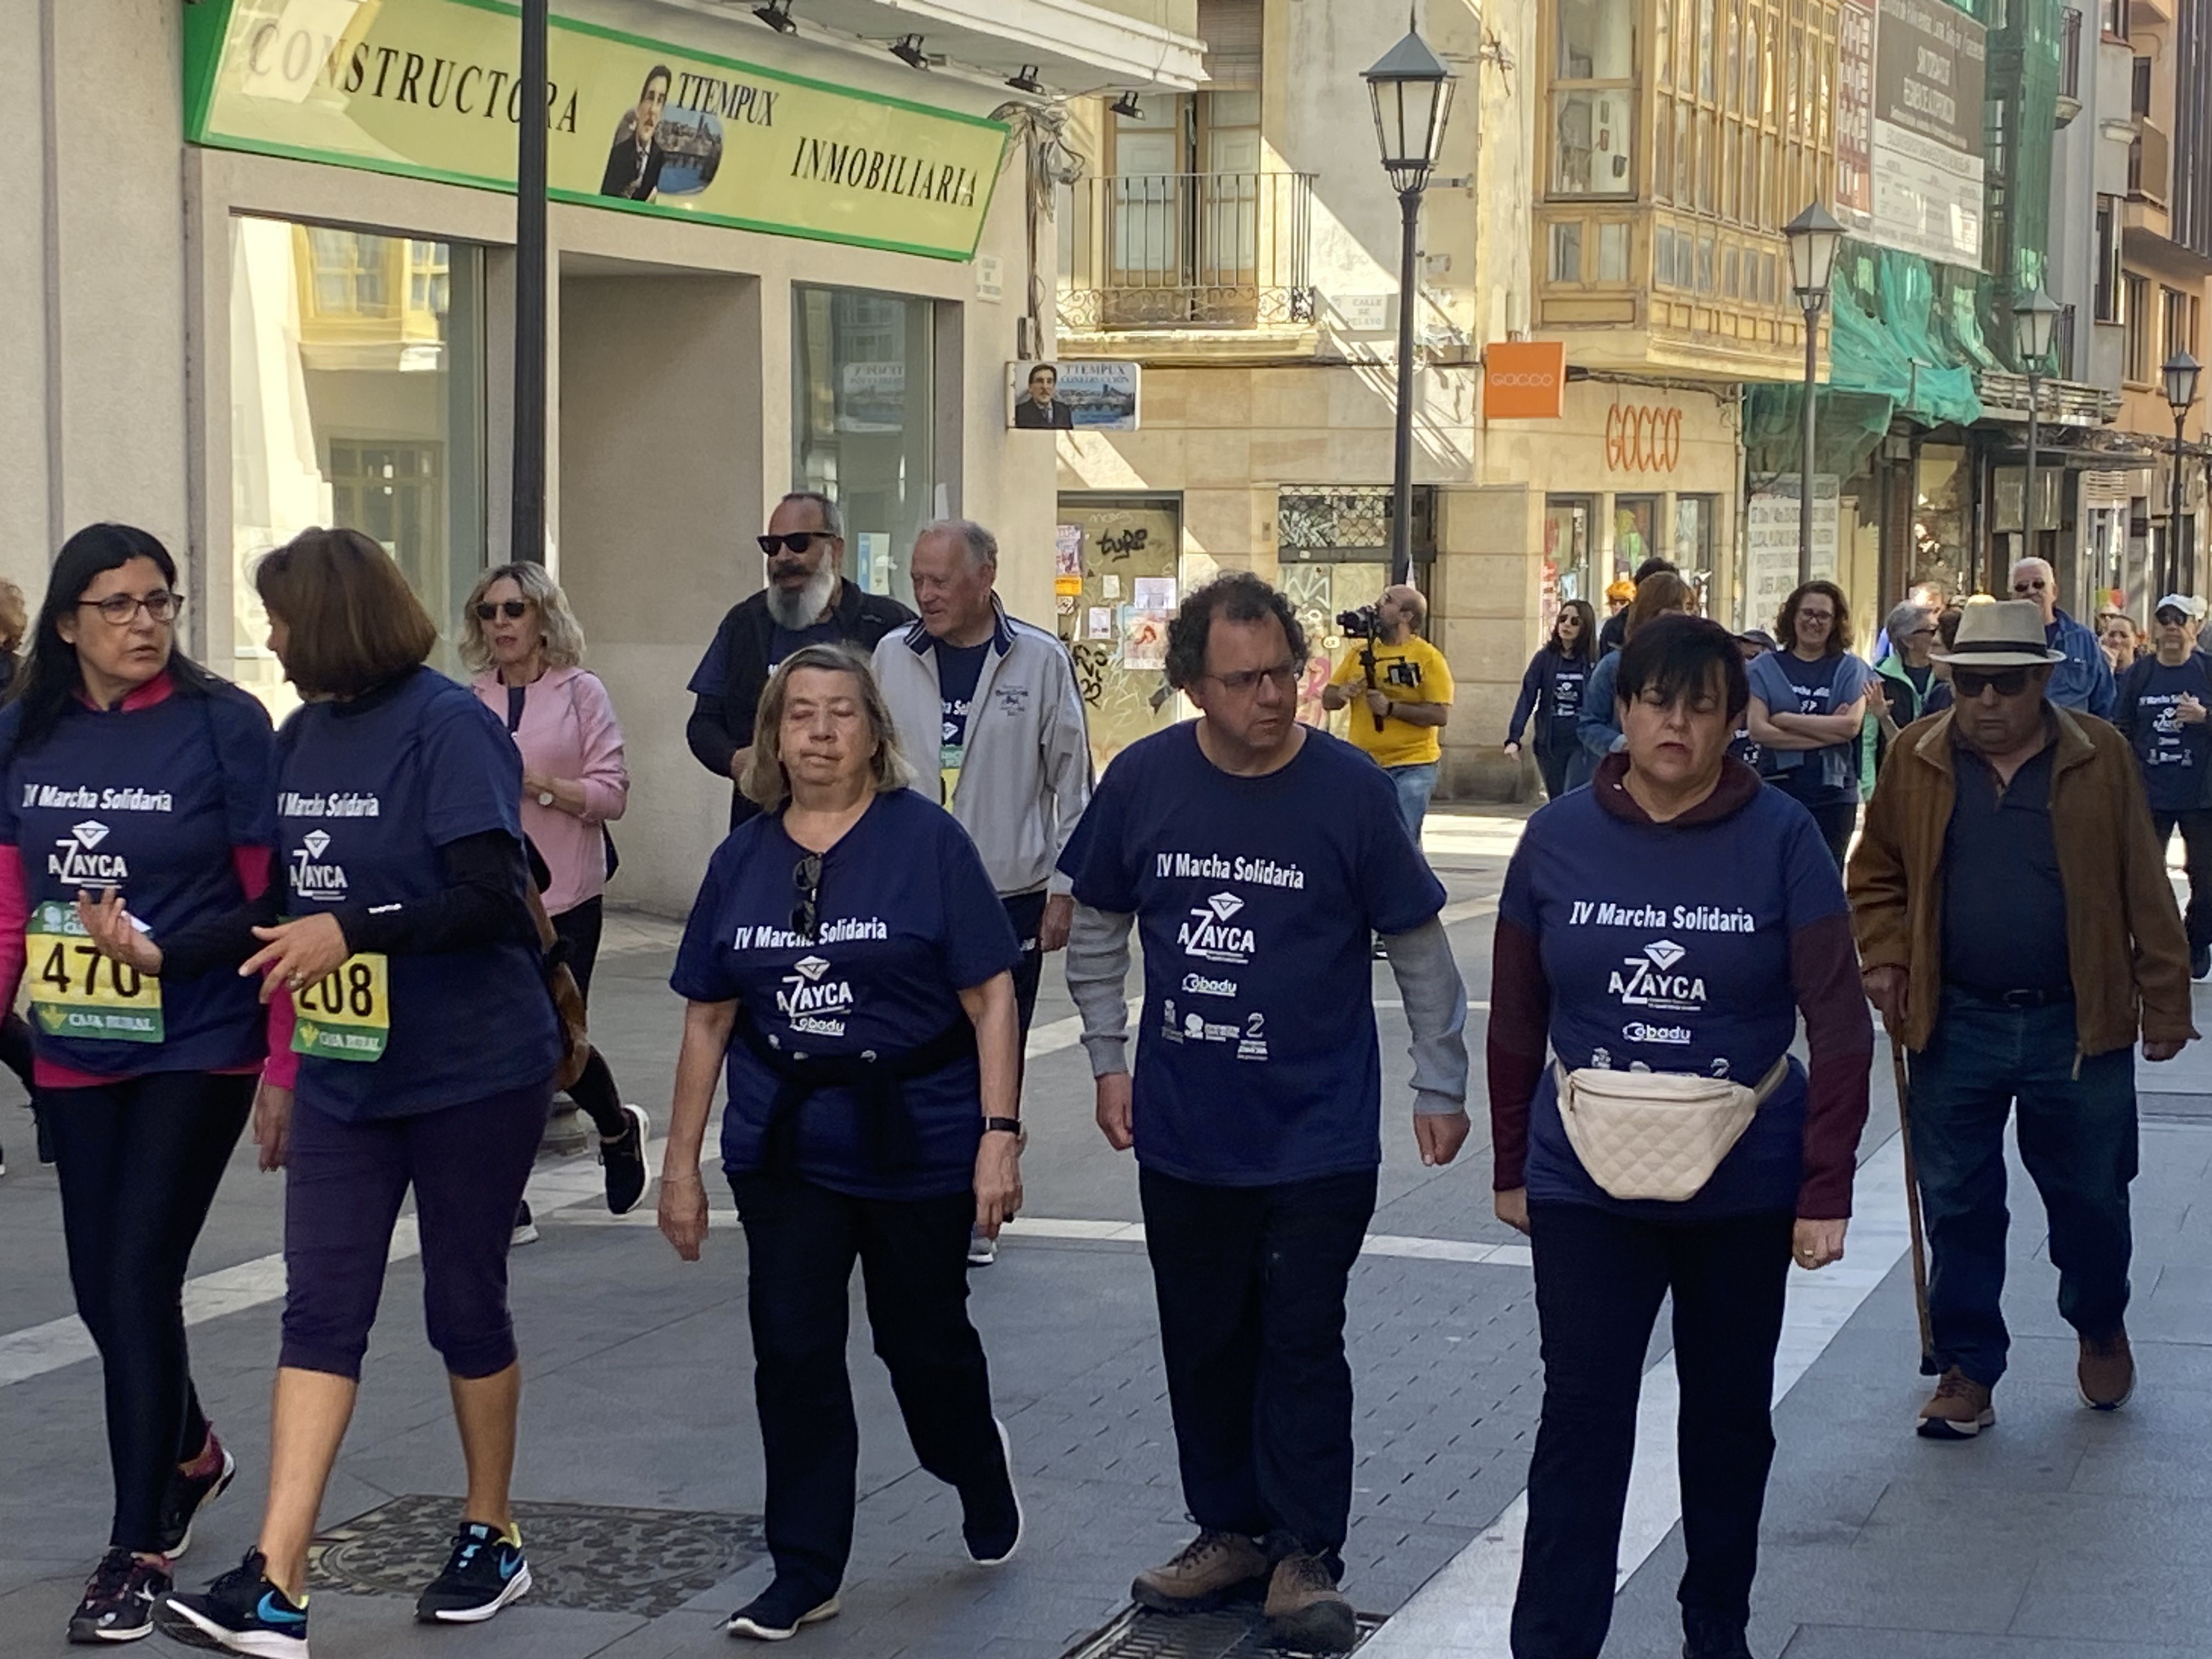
column 590, row 1556
column 1236, row 1632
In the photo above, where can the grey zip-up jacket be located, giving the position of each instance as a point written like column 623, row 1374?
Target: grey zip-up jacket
column 1025, row 776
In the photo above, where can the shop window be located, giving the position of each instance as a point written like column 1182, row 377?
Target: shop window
column 864, row 421
column 357, row 401
column 1594, row 100
column 1634, row 532
column 1696, row 521
column 1567, row 547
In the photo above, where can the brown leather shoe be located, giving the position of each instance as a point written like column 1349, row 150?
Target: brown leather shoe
column 2106, row 1372
column 1959, row 1408
column 1305, row 1607
column 1206, row 1572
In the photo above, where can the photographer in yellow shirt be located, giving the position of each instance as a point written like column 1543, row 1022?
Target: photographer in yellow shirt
column 1397, row 719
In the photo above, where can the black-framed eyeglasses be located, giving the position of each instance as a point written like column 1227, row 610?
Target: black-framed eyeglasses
column 513, row 609
column 806, row 905
column 120, row 608
column 1970, row 684
column 797, row 542
column 1285, row 679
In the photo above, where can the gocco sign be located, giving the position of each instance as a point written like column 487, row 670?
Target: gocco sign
column 1642, row 438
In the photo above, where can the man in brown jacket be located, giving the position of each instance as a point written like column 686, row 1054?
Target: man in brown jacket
column 2016, row 931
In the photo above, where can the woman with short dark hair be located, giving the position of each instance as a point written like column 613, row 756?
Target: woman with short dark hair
column 1661, row 592
column 425, row 1045
column 1552, row 690
column 1608, row 1030
column 1808, row 704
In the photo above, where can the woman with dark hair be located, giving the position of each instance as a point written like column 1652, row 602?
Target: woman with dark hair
column 1598, row 729
column 1552, row 690
column 1809, row 703
column 132, row 773
column 426, row 1045
column 1672, row 826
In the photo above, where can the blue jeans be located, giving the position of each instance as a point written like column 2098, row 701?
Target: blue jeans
column 1415, row 784
column 2077, row 1138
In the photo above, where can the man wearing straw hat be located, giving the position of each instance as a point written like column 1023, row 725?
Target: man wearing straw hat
column 2017, row 933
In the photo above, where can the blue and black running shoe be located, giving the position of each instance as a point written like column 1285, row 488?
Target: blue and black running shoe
column 485, row 1572
column 241, row 1612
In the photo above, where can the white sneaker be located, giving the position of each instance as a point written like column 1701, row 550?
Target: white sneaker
column 983, row 1250
column 526, row 1226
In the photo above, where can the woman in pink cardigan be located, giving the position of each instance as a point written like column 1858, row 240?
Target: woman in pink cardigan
column 517, row 631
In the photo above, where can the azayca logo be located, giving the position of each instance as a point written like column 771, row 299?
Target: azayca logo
column 1655, row 979
column 75, row 856
column 313, row 878
column 1210, row 933
column 812, row 1001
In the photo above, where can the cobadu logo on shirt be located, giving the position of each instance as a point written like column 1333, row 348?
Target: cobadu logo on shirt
column 813, row 1002
column 1654, row 979
column 75, row 856
column 1212, row 934
column 313, row 878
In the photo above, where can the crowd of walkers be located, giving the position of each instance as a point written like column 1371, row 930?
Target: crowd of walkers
column 370, row 934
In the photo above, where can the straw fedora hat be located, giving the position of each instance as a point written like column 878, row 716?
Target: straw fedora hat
column 2003, row 633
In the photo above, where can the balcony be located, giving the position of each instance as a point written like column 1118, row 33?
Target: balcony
column 2069, row 67
column 2150, row 164
column 1189, row 253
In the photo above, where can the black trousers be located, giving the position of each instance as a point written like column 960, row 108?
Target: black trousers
column 139, row 1161
column 1026, row 912
column 1836, row 820
column 1251, row 1287
column 594, row 1092
column 2196, row 854
column 1553, row 763
column 1600, row 1279
column 802, row 1240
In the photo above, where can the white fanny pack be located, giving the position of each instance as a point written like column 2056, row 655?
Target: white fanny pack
column 1657, row 1134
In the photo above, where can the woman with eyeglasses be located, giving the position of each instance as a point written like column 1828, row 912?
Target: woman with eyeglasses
column 1552, row 692
column 1808, row 704
column 849, row 964
column 132, row 775
column 518, row 632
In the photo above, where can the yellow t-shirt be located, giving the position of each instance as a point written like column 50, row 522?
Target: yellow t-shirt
column 1413, row 672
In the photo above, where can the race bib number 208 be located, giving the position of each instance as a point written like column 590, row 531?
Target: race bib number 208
column 347, row 1013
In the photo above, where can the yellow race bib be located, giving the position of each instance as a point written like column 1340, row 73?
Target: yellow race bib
column 347, row 1013
column 78, row 994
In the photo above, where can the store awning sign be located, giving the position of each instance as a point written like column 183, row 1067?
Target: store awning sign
column 1524, row 379
column 428, row 88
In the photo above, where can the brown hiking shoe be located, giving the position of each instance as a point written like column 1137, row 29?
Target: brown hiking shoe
column 2106, row 1372
column 1206, row 1572
column 1959, row 1408
column 1308, row 1611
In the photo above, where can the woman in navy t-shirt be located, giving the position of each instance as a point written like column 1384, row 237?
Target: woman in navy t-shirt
column 128, row 771
column 1807, row 709
column 850, row 965
column 1552, row 690
column 425, row 1043
column 1675, row 917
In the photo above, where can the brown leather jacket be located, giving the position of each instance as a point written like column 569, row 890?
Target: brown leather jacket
column 2123, row 936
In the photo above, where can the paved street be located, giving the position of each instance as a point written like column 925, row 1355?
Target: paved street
column 2063, row 1534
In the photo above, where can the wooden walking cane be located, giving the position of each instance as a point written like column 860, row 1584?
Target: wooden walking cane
column 1912, row 1209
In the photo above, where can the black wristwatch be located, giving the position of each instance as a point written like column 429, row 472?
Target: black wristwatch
column 1002, row 1126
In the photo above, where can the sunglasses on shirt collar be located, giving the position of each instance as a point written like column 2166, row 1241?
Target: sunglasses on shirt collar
column 806, row 905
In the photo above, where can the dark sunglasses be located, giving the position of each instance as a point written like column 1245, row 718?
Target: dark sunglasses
column 513, row 609
column 2035, row 587
column 2005, row 681
column 2170, row 617
column 806, row 907
column 797, row 542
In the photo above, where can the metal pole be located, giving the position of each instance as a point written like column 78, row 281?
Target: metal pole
column 2027, row 513
column 527, row 534
column 2171, row 583
column 1804, row 446
column 1401, row 477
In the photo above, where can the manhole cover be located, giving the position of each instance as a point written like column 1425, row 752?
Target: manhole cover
column 592, row 1556
column 1236, row 1632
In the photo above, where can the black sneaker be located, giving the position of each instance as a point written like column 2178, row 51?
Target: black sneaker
column 2200, row 961
column 991, row 1520
column 241, row 1612
column 1706, row 1637
column 525, row 1225
column 624, row 1160
column 119, row 1600
column 189, row 1494
column 777, row 1613
column 485, row 1572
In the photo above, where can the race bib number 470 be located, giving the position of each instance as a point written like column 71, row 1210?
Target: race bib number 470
column 80, row 995
column 347, row 1013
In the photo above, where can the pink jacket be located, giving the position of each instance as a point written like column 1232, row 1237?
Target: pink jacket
column 568, row 731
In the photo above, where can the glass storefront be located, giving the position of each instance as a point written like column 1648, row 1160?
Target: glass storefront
column 1567, row 547
column 356, row 401
column 863, row 422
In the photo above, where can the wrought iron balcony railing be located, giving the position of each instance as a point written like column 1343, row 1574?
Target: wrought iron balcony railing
column 1187, row 250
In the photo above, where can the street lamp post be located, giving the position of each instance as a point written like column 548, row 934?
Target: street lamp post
column 1412, row 91
column 2178, row 373
column 527, row 520
column 1814, row 236
column 2034, row 319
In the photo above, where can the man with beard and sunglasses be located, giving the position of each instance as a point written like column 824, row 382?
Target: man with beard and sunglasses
column 804, row 601
column 2016, row 931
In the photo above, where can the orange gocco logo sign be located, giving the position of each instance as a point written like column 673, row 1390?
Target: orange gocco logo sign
column 1642, row 438
column 1523, row 379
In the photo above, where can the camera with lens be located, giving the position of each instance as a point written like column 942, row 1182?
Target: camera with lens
column 1360, row 624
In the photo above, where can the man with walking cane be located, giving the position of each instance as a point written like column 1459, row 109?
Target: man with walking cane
column 2016, row 931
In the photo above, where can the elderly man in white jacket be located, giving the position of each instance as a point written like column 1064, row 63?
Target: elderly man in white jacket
column 987, row 712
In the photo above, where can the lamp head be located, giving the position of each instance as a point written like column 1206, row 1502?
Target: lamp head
column 1128, row 107
column 2034, row 321
column 1814, row 235
column 2178, row 376
column 1411, row 88
column 777, row 16
column 908, row 51
column 1026, row 81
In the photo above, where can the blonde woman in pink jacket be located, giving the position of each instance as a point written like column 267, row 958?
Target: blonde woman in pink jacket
column 518, row 633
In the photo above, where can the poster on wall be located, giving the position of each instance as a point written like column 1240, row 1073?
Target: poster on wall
column 1909, row 127
column 1770, row 544
column 1068, row 550
column 1144, row 638
column 1067, row 397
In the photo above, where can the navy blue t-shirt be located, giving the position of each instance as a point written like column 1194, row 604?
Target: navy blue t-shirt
column 1256, row 901
column 959, row 671
column 2173, row 754
column 367, row 794
column 1790, row 685
column 1569, row 675
column 1666, row 949
column 906, row 920
column 711, row 678
column 151, row 801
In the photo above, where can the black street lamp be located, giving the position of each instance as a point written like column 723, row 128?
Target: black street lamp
column 527, row 520
column 1814, row 235
column 2179, row 375
column 1412, row 90
column 2034, row 320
